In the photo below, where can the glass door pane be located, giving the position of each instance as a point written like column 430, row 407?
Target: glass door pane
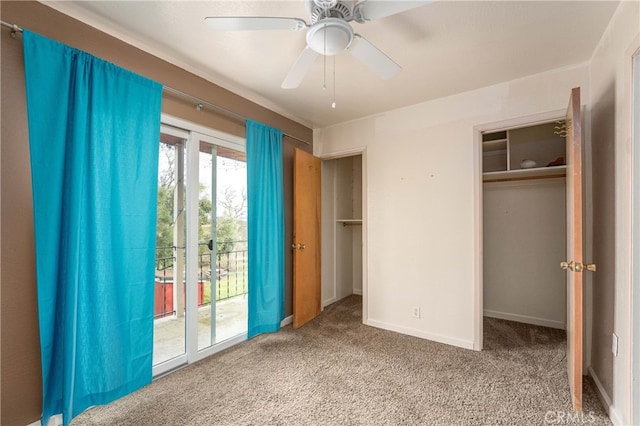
column 222, row 245
column 201, row 260
column 169, row 308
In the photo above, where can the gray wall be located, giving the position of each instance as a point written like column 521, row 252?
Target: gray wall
column 603, row 192
column 611, row 146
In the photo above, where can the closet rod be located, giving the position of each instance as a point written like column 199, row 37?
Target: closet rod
column 200, row 103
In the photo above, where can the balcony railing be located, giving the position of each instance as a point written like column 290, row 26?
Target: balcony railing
column 231, row 275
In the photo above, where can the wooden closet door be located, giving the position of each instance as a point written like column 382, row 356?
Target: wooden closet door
column 574, row 264
column 306, row 237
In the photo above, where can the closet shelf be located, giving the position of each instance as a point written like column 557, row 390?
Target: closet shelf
column 520, row 174
column 347, row 222
column 494, row 145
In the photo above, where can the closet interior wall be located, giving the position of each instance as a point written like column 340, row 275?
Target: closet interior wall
column 341, row 228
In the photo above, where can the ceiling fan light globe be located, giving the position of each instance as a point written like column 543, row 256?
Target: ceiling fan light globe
column 329, row 36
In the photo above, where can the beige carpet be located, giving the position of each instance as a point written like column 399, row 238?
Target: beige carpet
column 336, row 371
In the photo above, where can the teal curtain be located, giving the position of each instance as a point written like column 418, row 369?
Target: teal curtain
column 93, row 134
column 265, row 205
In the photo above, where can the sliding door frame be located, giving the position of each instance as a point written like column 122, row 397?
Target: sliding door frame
column 194, row 135
column 635, row 241
column 175, row 362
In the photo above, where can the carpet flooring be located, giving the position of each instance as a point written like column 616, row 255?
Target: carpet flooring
column 337, row 371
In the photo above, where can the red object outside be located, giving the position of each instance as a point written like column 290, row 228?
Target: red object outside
column 163, row 298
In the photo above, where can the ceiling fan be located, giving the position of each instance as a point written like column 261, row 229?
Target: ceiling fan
column 328, row 34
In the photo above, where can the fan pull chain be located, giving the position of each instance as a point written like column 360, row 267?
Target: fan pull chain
column 333, row 104
column 324, row 58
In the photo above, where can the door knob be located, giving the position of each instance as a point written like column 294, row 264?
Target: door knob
column 578, row 266
column 567, row 265
column 298, row 246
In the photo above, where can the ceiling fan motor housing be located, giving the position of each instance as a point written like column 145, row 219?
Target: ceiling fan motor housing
column 325, row 4
column 322, row 9
column 329, row 36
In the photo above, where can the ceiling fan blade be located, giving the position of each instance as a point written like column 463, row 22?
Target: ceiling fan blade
column 376, row 9
column 299, row 69
column 254, row 23
column 373, row 57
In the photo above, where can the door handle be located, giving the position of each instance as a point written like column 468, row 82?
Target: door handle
column 566, row 265
column 578, row 267
column 298, row 246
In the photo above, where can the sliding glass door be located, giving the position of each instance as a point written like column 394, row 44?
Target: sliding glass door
column 169, row 343
column 201, row 262
column 222, row 244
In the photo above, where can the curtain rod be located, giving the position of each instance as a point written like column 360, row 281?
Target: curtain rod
column 14, row 27
column 200, row 103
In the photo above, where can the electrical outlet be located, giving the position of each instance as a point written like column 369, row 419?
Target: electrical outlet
column 614, row 345
column 415, row 312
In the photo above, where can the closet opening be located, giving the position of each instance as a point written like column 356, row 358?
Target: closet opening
column 524, row 212
column 343, row 260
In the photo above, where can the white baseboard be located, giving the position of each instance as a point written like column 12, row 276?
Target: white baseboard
column 525, row 319
column 615, row 418
column 53, row 421
column 327, row 302
column 357, row 291
column 466, row 344
column 288, row 320
column 604, row 399
column 602, row 394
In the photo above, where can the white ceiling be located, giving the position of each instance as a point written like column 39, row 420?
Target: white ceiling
column 444, row 47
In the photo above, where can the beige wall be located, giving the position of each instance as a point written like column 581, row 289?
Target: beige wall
column 20, row 387
column 423, row 181
column 610, row 75
column 420, row 192
column 420, row 188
